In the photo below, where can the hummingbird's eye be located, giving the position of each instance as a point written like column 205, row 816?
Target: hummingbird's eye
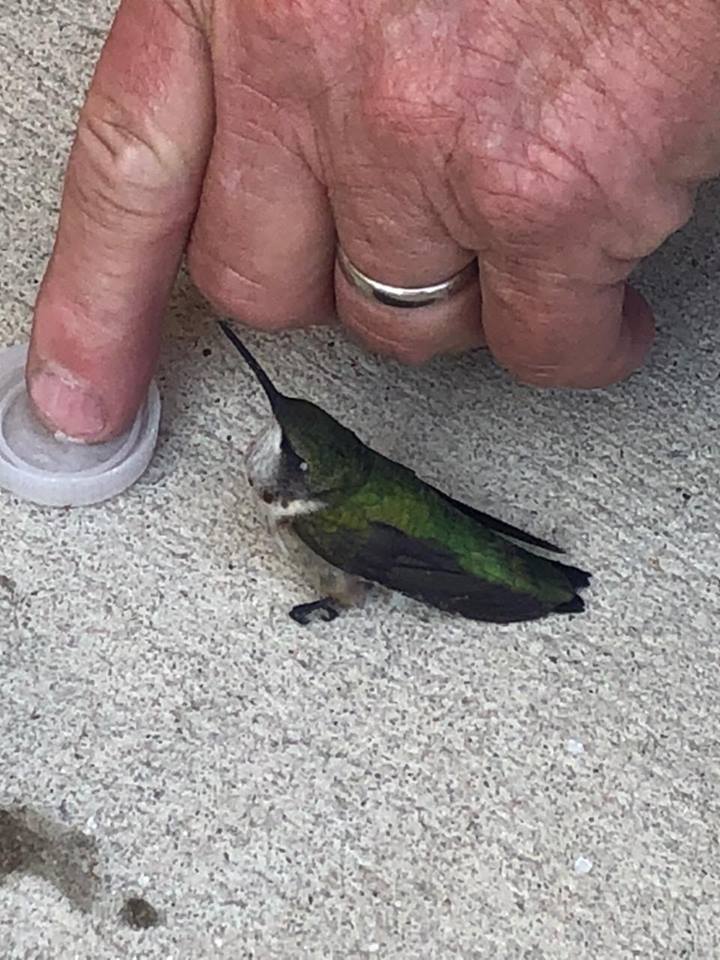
column 268, row 497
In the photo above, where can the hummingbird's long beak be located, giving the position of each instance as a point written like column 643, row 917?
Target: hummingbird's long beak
column 273, row 395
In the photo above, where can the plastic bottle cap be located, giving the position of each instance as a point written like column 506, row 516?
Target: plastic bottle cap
column 51, row 470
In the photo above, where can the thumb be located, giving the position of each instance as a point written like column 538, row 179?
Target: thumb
column 129, row 197
column 553, row 331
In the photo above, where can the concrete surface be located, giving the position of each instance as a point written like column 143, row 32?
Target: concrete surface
column 396, row 784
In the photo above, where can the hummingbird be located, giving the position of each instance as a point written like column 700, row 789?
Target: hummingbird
column 360, row 520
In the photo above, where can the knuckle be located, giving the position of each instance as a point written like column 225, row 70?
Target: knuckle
column 195, row 14
column 409, row 353
column 523, row 200
column 520, row 183
column 664, row 216
column 241, row 297
column 413, row 354
column 393, row 110
column 540, row 375
column 552, row 357
column 407, row 350
column 550, row 364
column 407, row 103
column 124, row 165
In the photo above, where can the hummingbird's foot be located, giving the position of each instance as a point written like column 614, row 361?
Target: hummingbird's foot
column 303, row 612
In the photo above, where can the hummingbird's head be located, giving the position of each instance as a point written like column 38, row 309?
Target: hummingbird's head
column 304, row 459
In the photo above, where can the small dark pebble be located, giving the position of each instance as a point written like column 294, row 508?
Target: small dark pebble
column 207, row 352
column 7, row 584
column 139, row 914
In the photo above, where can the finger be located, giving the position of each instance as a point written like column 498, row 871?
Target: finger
column 262, row 245
column 551, row 331
column 390, row 232
column 130, row 193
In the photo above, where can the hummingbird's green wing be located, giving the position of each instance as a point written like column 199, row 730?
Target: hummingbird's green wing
column 499, row 526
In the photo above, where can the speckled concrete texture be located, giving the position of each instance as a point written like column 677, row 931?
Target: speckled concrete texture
column 396, row 784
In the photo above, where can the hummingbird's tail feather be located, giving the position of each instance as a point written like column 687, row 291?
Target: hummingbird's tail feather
column 575, row 605
column 273, row 394
column 578, row 578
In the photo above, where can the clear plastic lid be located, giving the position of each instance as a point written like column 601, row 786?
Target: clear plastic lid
column 51, row 470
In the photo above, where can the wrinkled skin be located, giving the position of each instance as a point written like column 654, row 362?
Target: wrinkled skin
column 560, row 143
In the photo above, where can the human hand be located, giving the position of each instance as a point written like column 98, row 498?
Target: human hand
column 558, row 143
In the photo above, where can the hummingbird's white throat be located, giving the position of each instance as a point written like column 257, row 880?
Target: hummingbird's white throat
column 279, row 497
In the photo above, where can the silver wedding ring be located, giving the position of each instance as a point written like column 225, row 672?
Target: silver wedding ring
column 392, row 296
